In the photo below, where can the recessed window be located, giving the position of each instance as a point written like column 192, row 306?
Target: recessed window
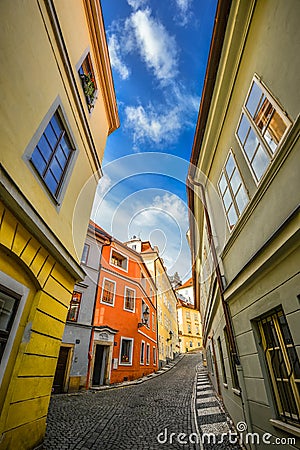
column 222, row 361
column 142, row 359
column 148, row 355
column 126, row 348
column 129, row 299
column 233, row 369
column 74, row 307
column 119, row 260
column 108, row 292
column 9, row 303
column 85, row 254
column 283, row 365
column 52, row 155
column 188, row 315
column 189, row 328
column 191, row 344
column 232, row 190
column 261, row 128
column 154, row 356
column 88, row 82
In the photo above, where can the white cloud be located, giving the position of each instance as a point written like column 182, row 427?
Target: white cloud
column 115, row 58
column 103, row 185
column 162, row 123
column 136, row 4
column 157, row 48
column 172, row 205
column 184, row 13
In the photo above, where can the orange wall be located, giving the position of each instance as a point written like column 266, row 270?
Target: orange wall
column 126, row 322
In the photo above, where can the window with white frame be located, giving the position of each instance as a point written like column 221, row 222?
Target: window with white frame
column 261, row 128
column 232, row 190
column 118, row 260
column 9, row 302
column 126, row 350
column 142, row 358
column 108, row 292
column 148, row 354
column 129, row 299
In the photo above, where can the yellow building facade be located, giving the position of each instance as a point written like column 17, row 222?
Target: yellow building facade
column 189, row 327
column 58, row 107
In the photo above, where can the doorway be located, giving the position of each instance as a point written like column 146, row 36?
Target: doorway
column 100, row 363
column 61, row 370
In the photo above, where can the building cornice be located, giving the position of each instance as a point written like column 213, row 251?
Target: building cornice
column 98, row 38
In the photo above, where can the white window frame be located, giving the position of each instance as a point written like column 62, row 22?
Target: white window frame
column 129, row 363
column 121, row 254
column 22, row 291
column 134, row 297
column 142, row 353
column 259, row 136
column 230, row 189
column 102, row 291
column 147, row 354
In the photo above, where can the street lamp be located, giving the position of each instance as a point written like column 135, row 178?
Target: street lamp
column 145, row 318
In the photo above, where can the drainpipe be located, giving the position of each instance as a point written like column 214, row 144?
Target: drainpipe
column 228, row 320
column 90, row 352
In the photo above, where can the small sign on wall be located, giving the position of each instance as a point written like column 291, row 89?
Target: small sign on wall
column 115, row 363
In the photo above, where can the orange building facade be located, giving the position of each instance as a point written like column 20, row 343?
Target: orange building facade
column 124, row 343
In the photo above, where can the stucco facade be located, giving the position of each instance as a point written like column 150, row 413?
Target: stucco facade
column 49, row 151
column 244, row 193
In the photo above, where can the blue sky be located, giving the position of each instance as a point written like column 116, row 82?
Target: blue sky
column 158, row 52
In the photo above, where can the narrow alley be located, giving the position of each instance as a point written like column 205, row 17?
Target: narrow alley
column 158, row 413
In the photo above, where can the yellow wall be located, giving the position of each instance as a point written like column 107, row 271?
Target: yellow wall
column 33, row 78
column 26, row 386
column 184, row 320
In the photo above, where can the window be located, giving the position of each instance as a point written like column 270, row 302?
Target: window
column 233, row 370
column 9, row 302
column 129, row 299
column 88, row 82
column 119, row 260
column 85, row 254
column 108, row 292
column 142, row 360
column 197, row 330
column 148, row 355
column 283, row 364
column 154, row 356
column 126, row 348
column 188, row 315
column 191, row 344
column 189, row 328
column 232, row 190
column 222, row 361
column 261, row 128
column 74, row 307
column 52, row 155
column 196, row 318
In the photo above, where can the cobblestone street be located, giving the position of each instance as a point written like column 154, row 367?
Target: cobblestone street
column 162, row 412
column 126, row 418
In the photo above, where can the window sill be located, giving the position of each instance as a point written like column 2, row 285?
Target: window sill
column 225, row 385
column 236, row 391
column 125, row 364
column 287, row 427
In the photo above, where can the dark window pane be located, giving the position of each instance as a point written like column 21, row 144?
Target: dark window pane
column 260, row 162
column 57, row 125
column 45, row 148
column 56, row 169
column 51, row 182
column 38, row 161
column 254, row 99
column 51, row 136
column 287, row 397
